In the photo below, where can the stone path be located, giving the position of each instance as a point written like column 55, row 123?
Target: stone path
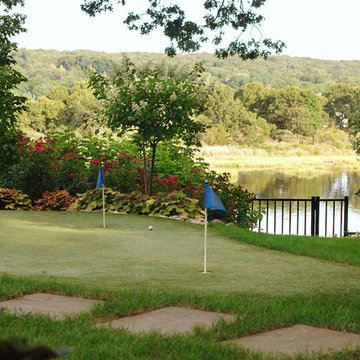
column 298, row 338
column 168, row 320
column 56, row 306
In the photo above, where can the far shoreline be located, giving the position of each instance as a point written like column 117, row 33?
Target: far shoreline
column 233, row 159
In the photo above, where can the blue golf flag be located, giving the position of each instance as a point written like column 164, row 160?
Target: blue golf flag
column 212, row 201
column 100, row 180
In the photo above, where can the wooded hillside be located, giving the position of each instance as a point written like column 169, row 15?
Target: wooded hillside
column 46, row 69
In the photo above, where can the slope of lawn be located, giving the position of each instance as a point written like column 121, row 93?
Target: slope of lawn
column 73, row 247
column 344, row 250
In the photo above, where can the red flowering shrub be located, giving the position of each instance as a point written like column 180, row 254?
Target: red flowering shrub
column 166, row 184
column 33, row 174
column 72, row 164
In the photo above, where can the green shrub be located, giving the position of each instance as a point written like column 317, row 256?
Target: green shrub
column 237, row 202
column 58, row 200
column 14, row 200
column 176, row 159
column 92, row 200
column 174, row 203
column 33, row 174
column 168, row 204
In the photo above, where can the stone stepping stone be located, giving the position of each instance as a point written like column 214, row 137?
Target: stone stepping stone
column 168, row 320
column 56, row 306
column 297, row 339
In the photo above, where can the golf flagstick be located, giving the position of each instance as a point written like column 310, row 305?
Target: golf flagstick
column 101, row 183
column 212, row 202
column 205, row 242
column 103, row 199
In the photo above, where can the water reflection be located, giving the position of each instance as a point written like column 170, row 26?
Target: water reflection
column 278, row 184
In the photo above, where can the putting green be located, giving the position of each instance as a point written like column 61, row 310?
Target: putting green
column 126, row 255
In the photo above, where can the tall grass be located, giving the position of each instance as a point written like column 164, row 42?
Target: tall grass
column 232, row 158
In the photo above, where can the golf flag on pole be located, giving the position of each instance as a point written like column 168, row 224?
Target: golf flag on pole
column 101, row 183
column 100, row 180
column 211, row 202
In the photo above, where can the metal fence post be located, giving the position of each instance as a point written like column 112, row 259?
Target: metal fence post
column 312, row 225
column 317, row 219
column 346, row 215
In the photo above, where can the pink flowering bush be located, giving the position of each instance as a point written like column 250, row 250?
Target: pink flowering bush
column 34, row 173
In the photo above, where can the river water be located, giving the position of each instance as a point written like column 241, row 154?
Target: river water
column 335, row 184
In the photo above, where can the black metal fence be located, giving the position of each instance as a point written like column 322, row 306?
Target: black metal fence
column 313, row 216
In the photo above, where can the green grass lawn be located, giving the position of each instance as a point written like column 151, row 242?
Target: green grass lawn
column 135, row 269
column 126, row 255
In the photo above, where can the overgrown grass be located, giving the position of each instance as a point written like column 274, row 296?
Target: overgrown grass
column 343, row 250
column 134, row 270
column 232, row 159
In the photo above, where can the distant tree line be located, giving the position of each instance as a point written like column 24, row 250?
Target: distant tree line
column 250, row 115
column 254, row 114
column 46, row 69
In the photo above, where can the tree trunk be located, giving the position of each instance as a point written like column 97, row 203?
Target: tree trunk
column 153, row 146
column 146, row 190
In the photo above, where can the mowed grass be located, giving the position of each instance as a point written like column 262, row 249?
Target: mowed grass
column 135, row 270
column 73, row 247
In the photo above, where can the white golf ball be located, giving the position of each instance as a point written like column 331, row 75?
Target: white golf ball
column 150, row 228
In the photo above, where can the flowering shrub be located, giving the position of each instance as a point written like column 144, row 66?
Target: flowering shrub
column 237, row 201
column 61, row 163
column 33, row 174
column 176, row 159
column 72, row 173
column 64, row 162
column 58, row 200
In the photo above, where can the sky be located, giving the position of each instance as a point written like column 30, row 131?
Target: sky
column 322, row 29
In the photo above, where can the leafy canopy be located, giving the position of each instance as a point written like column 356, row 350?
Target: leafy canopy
column 188, row 36
column 154, row 103
column 343, row 107
column 10, row 104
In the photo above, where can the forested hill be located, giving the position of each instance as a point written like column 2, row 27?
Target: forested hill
column 48, row 68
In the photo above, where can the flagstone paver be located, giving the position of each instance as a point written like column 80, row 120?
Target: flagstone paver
column 56, row 306
column 168, row 320
column 298, row 338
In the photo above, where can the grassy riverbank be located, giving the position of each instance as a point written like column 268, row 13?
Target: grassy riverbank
column 233, row 159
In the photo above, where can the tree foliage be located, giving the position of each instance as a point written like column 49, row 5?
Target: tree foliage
column 46, row 69
column 61, row 108
column 186, row 35
column 343, row 107
column 10, row 104
column 154, row 103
